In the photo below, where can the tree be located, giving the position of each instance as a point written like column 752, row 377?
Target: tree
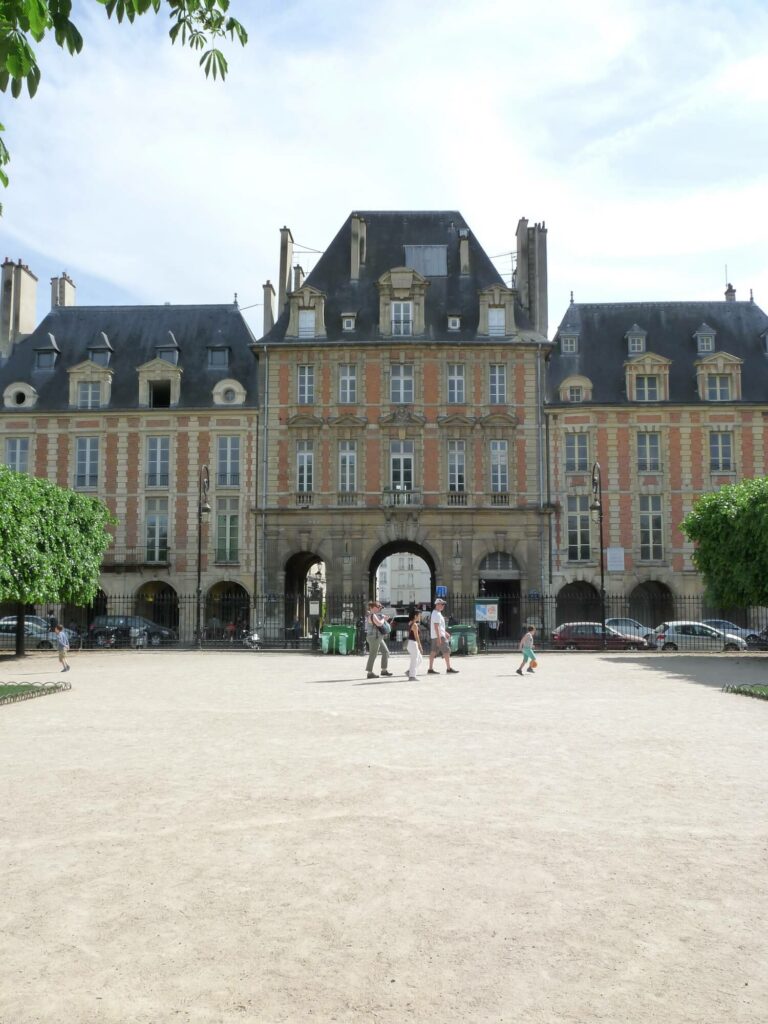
column 51, row 542
column 198, row 23
column 730, row 530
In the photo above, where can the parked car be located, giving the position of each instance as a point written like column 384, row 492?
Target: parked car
column 730, row 627
column 128, row 631
column 758, row 641
column 631, row 627
column 34, row 620
column 696, row 636
column 588, row 636
column 35, row 636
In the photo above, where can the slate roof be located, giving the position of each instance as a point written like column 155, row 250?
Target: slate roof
column 387, row 232
column 739, row 329
column 134, row 334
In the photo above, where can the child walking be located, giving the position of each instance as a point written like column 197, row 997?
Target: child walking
column 62, row 642
column 526, row 646
column 414, row 644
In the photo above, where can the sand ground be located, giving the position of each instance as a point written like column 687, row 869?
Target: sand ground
column 202, row 837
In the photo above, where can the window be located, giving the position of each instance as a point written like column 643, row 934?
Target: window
column 454, row 323
column 99, row 356
column 575, row 393
column 456, row 389
column 227, row 529
column 401, row 465
column 347, row 466
column 347, row 383
column 45, row 360
column 578, row 528
column 646, row 388
column 497, row 320
column 576, row 452
column 718, row 387
column 169, row 355
column 306, row 382
column 159, row 394
column 157, row 530
column 228, row 470
column 497, row 384
column 17, row 453
column 721, row 451
column 88, row 394
column 648, row 460
column 569, row 343
column 306, row 323
column 218, row 358
column 401, row 383
column 304, row 466
column 348, row 323
column 402, row 319
column 499, row 467
column 87, row 462
column 158, row 457
column 456, row 466
column 635, row 344
column 651, row 549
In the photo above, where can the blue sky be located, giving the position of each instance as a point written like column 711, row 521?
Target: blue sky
column 637, row 131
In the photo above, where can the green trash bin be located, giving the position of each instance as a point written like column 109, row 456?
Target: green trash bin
column 325, row 642
column 341, row 641
column 463, row 639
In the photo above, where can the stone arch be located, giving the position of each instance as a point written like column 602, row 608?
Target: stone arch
column 227, row 602
column 498, row 576
column 158, row 601
column 396, row 547
column 577, row 602
column 652, row 603
column 304, row 591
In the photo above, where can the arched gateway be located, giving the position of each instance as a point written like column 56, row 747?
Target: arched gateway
column 397, row 547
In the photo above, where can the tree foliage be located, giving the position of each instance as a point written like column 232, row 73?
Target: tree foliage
column 730, row 530
column 51, row 541
column 196, row 23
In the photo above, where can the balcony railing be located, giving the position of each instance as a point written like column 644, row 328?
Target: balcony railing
column 128, row 559
column 303, row 499
column 157, row 479
column 396, row 496
column 347, row 498
column 228, row 479
column 456, row 498
column 499, row 498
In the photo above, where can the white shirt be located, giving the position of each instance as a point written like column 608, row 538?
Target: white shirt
column 436, row 625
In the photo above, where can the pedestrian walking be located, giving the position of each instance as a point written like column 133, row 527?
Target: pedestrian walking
column 439, row 639
column 529, row 655
column 62, row 643
column 414, row 644
column 377, row 629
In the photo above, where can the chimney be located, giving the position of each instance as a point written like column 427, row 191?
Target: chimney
column 286, row 262
column 298, row 277
column 531, row 273
column 62, row 290
column 730, row 293
column 269, row 308
column 357, row 247
column 463, row 250
column 18, row 295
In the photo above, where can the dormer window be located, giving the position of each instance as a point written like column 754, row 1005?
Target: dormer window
column 497, row 321
column 569, row 343
column 348, row 321
column 454, row 323
column 705, row 339
column 99, row 356
column 170, row 355
column 306, row 323
column 402, row 319
column 635, row 338
column 89, row 394
column 575, row 393
column 45, row 359
column 218, row 358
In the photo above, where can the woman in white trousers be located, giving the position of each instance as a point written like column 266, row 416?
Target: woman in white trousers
column 414, row 644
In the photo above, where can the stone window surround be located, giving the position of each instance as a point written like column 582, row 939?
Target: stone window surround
column 402, row 284
column 497, row 295
column 579, row 381
column 306, row 298
column 647, row 365
column 20, row 388
column 722, row 364
column 159, row 370
column 220, row 389
column 89, row 372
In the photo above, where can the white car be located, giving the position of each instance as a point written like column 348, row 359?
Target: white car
column 730, row 627
column 696, row 636
column 631, row 627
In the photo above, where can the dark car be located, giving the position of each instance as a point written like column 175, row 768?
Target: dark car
column 758, row 641
column 588, row 636
column 128, row 631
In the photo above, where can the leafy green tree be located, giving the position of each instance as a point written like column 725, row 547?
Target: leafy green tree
column 730, row 530
column 197, row 23
column 51, row 542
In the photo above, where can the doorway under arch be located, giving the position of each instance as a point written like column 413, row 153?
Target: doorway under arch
column 158, row 602
column 578, row 602
column 652, row 603
column 499, row 577
column 402, row 547
column 304, row 599
column 228, row 602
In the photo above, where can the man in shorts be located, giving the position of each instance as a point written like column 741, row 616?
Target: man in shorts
column 439, row 639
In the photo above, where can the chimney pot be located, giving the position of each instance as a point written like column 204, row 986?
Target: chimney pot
column 730, row 293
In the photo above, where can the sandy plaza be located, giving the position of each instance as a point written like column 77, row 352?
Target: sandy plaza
column 222, row 837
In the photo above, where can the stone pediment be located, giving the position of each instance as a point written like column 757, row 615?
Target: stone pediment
column 456, row 419
column 88, row 370
column 718, row 359
column 402, row 415
column 305, row 419
column 347, row 420
column 161, row 367
column 498, row 419
column 402, row 281
column 647, row 359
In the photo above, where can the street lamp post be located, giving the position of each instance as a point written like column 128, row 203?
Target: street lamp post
column 203, row 509
column 597, row 507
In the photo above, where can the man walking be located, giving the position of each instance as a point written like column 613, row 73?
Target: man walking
column 62, row 643
column 439, row 639
column 376, row 630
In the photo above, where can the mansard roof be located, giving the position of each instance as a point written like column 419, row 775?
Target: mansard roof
column 602, row 328
column 135, row 335
column 387, row 234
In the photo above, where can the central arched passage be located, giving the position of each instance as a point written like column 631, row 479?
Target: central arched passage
column 413, row 582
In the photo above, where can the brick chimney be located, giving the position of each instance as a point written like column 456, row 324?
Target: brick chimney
column 531, row 279
column 286, row 263
column 730, row 293
column 62, row 290
column 18, row 297
column 463, row 250
column 269, row 307
column 358, row 243
column 298, row 277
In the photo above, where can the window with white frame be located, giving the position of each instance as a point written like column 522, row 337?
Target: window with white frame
column 456, row 384
column 497, row 384
column 718, row 387
column 575, row 393
column 306, row 323
column 89, row 394
column 228, row 467
column 401, row 383
column 499, row 467
column 705, row 341
column 651, row 545
column 454, row 323
column 497, row 320
column 347, row 383
column 635, row 344
column 576, row 452
column 457, row 466
column 648, row 451
column 158, row 461
column 402, row 319
column 304, row 466
column 646, row 388
column 578, row 528
column 401, row 465
column 218, row 358
column 17, row 454
column 156, row 527
column 87, row 462
column 721, row 451
column 569, row 343
column 348, row 466
column 227, row 529
column 306, row 385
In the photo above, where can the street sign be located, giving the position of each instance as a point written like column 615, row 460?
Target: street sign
column 441, row 591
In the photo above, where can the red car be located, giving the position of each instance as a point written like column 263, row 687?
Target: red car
column 588, row 636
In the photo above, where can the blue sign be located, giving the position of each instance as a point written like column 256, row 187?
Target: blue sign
column 441, row 591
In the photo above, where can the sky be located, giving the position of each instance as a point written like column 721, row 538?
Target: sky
column 637, row 131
